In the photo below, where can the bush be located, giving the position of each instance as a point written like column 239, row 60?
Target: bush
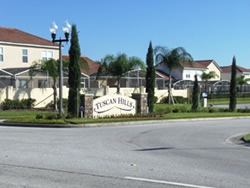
column 160, row 110
column 8, row 104
column 178, row 99
column 51, row 116
column 184, row 109
column 155, row 99
column 39, row 116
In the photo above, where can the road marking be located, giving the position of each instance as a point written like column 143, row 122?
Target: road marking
column 166, row 182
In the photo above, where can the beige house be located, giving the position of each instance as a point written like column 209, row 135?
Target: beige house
column 188, row 70
column 19, row 49
column 226, row 72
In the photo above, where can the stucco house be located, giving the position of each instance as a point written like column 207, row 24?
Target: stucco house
column 226, row 72
column 21, row 49
column 187, row 71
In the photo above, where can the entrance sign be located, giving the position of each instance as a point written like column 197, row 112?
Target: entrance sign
column 113, row 105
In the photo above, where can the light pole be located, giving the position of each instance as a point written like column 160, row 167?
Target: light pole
column 66, row 30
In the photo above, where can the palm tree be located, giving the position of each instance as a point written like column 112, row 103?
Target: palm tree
column 51, row 67
column 207, row 76
column 242, row 81
column 118, row 65
column 172, row 59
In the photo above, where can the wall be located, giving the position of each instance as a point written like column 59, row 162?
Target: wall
column 44, row 96
column 13, row 55
column 192, row 72
column 212, row 67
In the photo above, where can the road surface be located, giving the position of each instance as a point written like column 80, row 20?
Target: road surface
column 163, row 154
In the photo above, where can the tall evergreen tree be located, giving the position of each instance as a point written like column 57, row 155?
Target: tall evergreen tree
column 150, row 78
column 74, row 80
column 195, row 95
column 232, row 104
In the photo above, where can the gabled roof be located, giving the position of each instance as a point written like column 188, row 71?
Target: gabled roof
column 11, row 35
column 227, row 69
column 93, row 66
column 193, row 65
column 200, row 64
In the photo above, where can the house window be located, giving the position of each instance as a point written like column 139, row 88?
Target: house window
column 22, row 83
column 46, row 55
column 1, row 54
column 25, row 55
column 42, row 83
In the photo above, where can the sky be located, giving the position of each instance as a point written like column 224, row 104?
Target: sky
column 207, row 29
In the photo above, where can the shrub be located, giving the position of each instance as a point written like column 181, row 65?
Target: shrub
column 51, row 116
column 178, row 99
column 8, row 104
column 176, row 110
column 160, row 110
column 39, row 116
column 168, row 110
column 183, row 109
column 155, row 99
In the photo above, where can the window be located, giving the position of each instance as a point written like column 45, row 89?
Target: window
column 22, row 83
column 42, row 83
column 25, row 55
column 1, row 54
column 46, row 55
column 187, row 74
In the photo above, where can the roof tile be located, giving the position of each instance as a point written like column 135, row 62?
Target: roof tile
column 17, row 36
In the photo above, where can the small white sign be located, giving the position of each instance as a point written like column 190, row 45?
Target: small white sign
column 113, row 105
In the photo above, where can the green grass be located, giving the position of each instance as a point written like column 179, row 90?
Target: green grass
column 29, row 116
column 226, row 101
column 21, row 113
column 246, row 138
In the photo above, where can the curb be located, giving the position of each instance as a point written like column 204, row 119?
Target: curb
column 237, row 140
column 89, row 125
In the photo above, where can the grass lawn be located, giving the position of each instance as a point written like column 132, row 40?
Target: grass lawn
column 166, row 111
column 226, row 101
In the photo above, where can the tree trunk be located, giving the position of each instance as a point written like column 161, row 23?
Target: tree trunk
column 118, row 86
column 170, row 95
column 55, row 95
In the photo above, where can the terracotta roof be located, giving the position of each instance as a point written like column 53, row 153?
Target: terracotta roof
column 193, row 65
column 18, row 36
column 227, row 69
column 93, row 66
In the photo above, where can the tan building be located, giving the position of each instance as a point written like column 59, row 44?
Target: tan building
column 187, row 71
column 226, row 72
column 19, row 49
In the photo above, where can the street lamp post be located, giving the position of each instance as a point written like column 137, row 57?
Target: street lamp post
column 66, row 30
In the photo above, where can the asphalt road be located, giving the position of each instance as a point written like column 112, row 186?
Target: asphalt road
column 168, row 154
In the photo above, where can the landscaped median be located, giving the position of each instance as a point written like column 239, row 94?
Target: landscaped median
column 246, row 138
column 161, row 112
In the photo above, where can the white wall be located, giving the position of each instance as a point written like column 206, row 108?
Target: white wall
column 192, row 73
column 44, row 96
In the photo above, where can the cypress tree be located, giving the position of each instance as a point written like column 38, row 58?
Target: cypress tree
column 74, row 80
column 232, row 104
column 195, row 95
column 150, row 78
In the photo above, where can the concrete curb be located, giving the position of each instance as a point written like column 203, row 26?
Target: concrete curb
column 237, row 140
column 89, row 125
